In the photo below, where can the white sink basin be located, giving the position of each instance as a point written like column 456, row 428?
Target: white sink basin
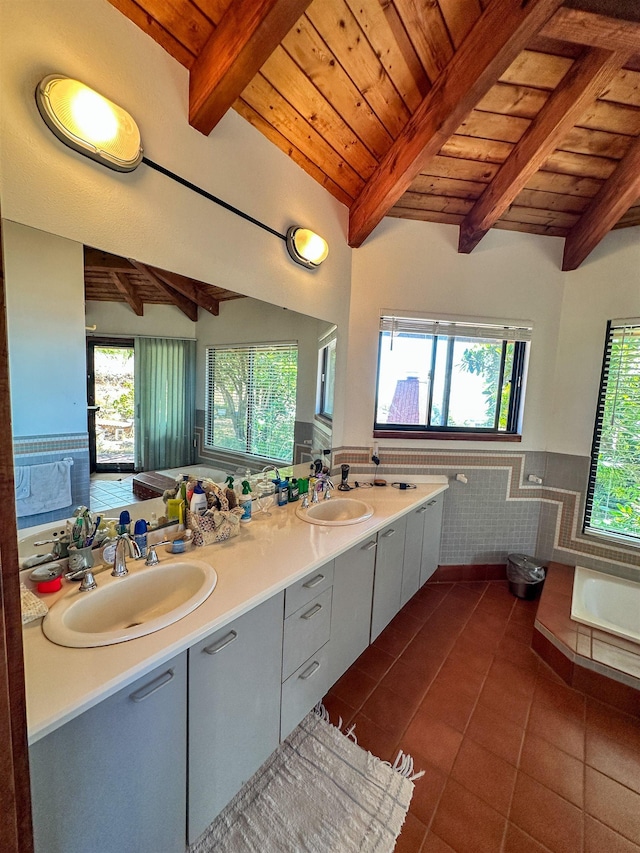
column 122, row 609
column 336, row 512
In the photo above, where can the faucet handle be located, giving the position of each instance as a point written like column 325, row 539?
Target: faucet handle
column 88, row 580
column 152, row 557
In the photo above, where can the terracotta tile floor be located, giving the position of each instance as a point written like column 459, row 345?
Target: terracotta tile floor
column 515, row 761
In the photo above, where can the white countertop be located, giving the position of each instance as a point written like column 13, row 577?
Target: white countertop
column 269, row 554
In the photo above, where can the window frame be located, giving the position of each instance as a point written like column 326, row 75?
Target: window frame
column 466, row 328
column 612, row 535
column 209, row 425
column 326, row 344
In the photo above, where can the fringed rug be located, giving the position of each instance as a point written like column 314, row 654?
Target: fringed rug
column 318, row 793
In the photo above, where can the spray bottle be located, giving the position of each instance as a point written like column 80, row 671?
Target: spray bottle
column 245, row 501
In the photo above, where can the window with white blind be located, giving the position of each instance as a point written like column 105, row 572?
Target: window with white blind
column 613, row 494
column 251, row 399
column 449, row 376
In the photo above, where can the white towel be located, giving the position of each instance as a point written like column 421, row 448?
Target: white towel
column 22, row 480
column 50, row 488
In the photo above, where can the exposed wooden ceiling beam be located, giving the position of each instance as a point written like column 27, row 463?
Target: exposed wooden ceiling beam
column 194, row 291
column 574, row 25
column 125, row 287
column 248, row 33
column 95, row 260
column 581, row 85
column 614, row 199
column 187, row 306
column 497, row 38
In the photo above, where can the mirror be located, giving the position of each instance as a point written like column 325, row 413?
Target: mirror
column 49, row 323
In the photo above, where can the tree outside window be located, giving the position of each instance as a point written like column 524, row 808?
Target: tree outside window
column 251, row 399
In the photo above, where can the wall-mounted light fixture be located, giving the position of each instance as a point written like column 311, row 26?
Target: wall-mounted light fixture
column 89, row 123
column 94, row 126
column 306, row 247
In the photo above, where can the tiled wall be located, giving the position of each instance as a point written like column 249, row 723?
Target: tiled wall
column 499, row 511
column 40, row 449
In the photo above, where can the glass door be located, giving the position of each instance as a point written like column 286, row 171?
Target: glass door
column 110, row 397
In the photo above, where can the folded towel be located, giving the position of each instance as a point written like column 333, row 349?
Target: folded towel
column 50, row 488
column 22, row 479
column 32, row 607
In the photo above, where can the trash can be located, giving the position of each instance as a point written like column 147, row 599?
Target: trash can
column 525, row 575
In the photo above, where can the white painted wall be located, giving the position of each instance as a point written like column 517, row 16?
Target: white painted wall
column 44, row 281
column 144, row 215
column 116, row 318
column 605, row 287
column 415, row 266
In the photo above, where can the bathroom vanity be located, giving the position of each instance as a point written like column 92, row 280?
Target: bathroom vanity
column 134, row 744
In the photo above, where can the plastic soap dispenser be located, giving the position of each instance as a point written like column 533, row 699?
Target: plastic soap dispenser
column 198, row 500
column 245, row 501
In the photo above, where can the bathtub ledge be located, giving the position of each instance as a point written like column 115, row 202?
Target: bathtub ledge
column 599, row 664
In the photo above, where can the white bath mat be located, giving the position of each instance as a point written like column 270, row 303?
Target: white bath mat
column 318, row 793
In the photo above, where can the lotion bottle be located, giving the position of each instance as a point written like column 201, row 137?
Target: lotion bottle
column 198, row 500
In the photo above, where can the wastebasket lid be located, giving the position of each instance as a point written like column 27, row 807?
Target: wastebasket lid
column 523, row 561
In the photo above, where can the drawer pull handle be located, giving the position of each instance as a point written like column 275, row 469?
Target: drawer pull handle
column 152, row 686
column 389, row 533
column 309, row 671
column 431, row 503
column 313, row 582
column 310, row 613
column 369, row 546
column 225, row 641
column 422, row 509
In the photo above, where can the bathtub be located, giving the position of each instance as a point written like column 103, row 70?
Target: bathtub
column 606, row 602
column 197, row 472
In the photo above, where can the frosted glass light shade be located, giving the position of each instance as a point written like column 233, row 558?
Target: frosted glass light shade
column 306, row 247
column 89, row 123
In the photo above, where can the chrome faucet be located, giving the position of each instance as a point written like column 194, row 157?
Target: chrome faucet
column 328, row 485
column 271, row 468
column 124, row 544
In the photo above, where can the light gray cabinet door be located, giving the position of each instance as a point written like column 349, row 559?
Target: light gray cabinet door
column 351, row 606
column 387, row 586
column 411, row 566
column 114, row 779
column 431, row 537
column 234, row 708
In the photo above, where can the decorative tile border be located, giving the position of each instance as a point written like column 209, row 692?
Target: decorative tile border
column 32, row 445
column 567, row 502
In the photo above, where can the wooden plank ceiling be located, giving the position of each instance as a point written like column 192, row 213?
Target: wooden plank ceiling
column 477, row 113
column 108, row 278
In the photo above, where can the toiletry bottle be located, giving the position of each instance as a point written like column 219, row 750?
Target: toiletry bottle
column 199, row 500
column 183, row 489
column 294, row 490
column 245, row 502
column 125, row 522
column 174, row 509
column 140, row 536
column 283, row 492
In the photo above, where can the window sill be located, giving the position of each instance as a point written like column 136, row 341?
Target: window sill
column 611, row 539
column 447, row 436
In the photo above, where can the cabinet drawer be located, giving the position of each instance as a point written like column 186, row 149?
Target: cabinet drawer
column 305, row 590
column 304, row 689
column 305, row 631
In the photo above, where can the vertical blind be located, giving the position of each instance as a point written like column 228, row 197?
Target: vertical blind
column 165, row 402
column 613, row 494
